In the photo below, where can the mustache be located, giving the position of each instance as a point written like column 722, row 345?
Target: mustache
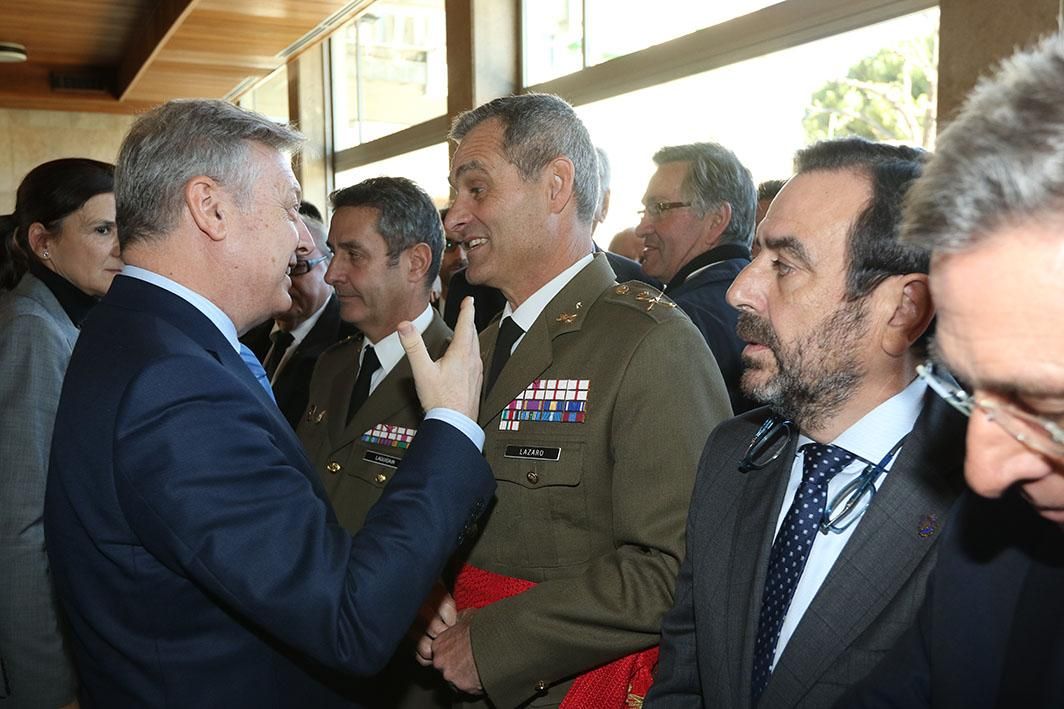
column 752, row 328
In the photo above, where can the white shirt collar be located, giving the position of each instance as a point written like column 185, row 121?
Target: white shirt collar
column 390, row 349
column 527, row 313
column 209, row 309
column 876, row 432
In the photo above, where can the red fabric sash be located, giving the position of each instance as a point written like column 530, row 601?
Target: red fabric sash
column 620, row 684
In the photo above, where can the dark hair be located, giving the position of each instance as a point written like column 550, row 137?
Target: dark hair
column 407, row 216
column 875, row 252
column 716, row 176
column 538, row 128
column 47, row 194
column 307, row 209
column 769, row 189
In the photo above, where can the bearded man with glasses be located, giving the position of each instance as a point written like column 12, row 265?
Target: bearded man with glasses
column 289, row 344
column 991, row 633
column 815, row 519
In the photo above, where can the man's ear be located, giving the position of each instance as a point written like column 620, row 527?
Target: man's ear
column 561, row 173
column 419, row 260
column 716, row 221
column 912, row 314
column 205, row 201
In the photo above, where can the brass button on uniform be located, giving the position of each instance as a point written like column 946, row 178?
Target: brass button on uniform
column 541, row 686
column 333, row 467
column 533, row 477
column 380, row 478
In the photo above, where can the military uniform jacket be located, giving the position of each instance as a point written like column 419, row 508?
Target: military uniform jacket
column 592, row 496
column 357, row 460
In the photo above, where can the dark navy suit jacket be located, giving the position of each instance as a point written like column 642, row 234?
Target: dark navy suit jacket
column 991, row 631
column 191, row 542
column 702, row 297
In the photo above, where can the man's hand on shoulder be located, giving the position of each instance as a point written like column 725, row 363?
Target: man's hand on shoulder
column 453, row 381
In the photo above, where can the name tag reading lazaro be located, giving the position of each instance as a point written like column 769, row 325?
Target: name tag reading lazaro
column 533, row 453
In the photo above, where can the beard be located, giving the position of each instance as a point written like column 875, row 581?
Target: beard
column 816, row 374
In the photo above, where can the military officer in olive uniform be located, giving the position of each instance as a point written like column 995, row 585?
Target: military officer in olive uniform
column 598, row 397
column 387, row 240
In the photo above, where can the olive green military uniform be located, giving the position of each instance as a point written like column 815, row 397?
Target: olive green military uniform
column 593, row 484
column 355, row 462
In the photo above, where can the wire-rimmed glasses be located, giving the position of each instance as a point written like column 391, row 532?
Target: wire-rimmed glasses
column 1035, row 432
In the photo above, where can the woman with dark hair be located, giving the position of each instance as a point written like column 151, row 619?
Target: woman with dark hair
column 58, row 255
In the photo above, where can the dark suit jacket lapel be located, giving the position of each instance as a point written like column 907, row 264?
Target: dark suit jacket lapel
column 135, row 294
column 758, row 505
column 884, row 549
column 534, row 355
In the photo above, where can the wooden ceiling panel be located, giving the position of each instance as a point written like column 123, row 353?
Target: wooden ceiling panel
column 149, row 51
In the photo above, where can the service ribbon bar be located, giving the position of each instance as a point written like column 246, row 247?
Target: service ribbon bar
column 548, row 400
column 389, row 436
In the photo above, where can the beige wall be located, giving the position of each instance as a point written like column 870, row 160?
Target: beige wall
column 974, row 35
column 28, row 138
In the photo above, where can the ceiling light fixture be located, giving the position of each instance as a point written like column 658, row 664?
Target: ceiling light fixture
column 11, row 53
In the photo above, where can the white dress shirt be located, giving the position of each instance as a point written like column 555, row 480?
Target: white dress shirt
column 870, row 438
column 390, row 349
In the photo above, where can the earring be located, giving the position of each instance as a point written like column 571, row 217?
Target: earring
column 45, row 254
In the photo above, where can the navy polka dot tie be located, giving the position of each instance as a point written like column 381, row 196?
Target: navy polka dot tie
column 790, row 551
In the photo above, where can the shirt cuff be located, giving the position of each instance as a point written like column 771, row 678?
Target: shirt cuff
column 460, row 421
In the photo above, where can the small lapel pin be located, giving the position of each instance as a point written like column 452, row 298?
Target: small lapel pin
column 928, row 525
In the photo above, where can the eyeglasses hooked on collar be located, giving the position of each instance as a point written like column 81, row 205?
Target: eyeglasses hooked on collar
column 1035, row 432
column 302, row 266
column 848, row 504
column 656, row 209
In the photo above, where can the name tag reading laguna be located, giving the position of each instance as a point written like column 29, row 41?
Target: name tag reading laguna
column 381, row 459
column 533, row 453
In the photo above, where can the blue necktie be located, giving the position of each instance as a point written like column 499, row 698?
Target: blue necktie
column 790, row 551
column 259, row 373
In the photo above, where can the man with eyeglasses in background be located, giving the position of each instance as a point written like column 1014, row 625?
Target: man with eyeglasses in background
column 696, row 224
column 290, row 343
column 387, row 241
column 815, row 519
column 991, row 633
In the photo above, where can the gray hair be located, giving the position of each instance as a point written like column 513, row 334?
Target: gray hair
column 407, row 216
column 180, row 140
column 1001, row 160
column 538, row 128
column 716, row 176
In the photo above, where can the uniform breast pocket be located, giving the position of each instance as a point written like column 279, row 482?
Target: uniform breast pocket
column 357, row 475
column 541, row 510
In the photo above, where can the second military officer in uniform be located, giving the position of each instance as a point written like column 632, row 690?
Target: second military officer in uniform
column 387, row 239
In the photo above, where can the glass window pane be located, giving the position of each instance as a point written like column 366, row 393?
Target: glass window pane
column 878, row 81
column 389, row 70
column 427, row 167
column 270, row 98
column 553, row 39
column 617, row 27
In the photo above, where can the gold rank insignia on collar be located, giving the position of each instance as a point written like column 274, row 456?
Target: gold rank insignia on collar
column 569, row 318
column 315, row 416
column 644, row 296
